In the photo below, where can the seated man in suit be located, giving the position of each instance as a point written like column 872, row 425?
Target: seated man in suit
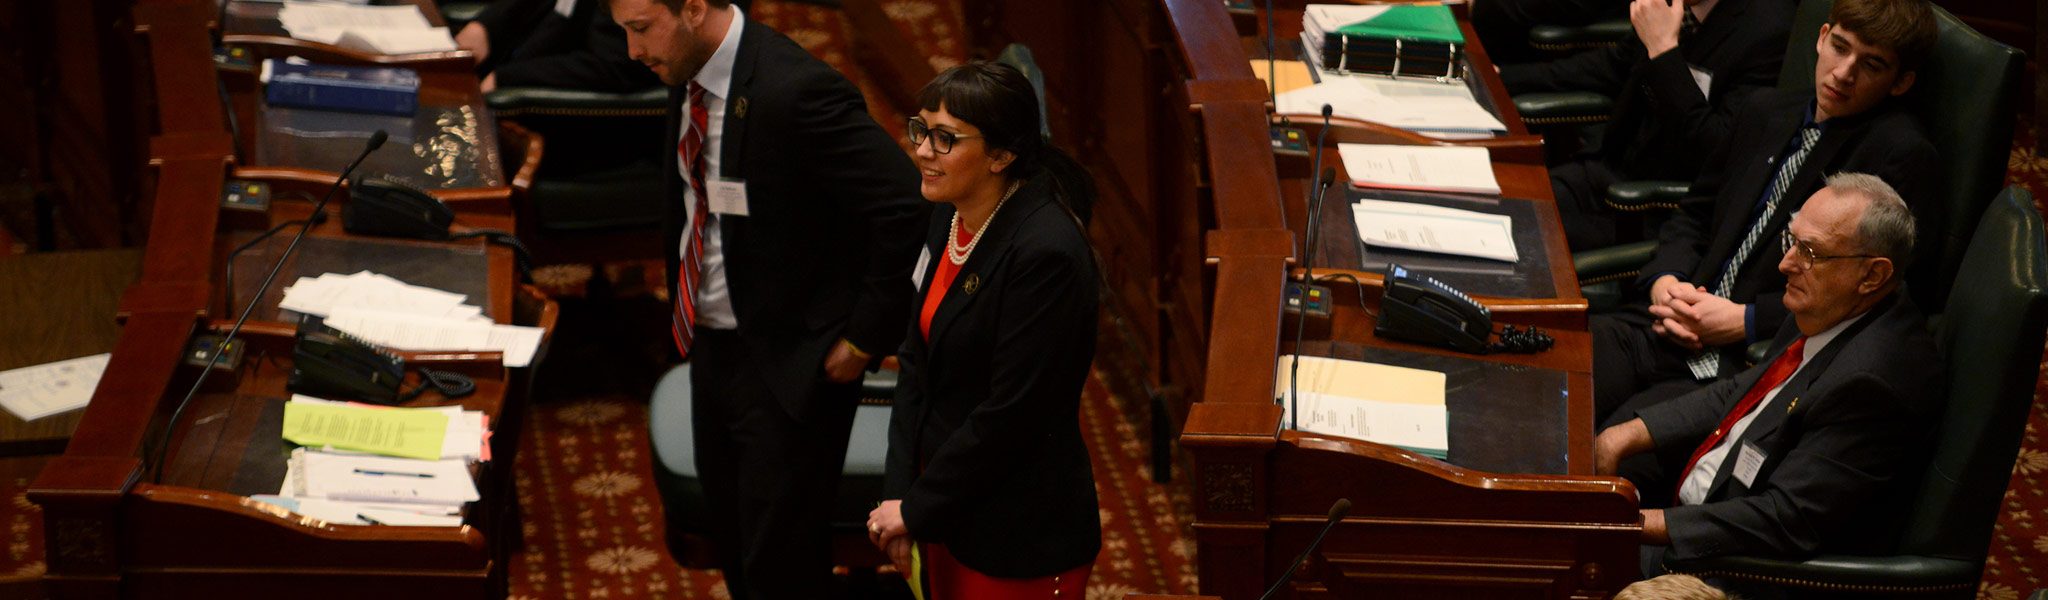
column 1798, row 455
column 1675, row 86
column 552, row 43
column 1713, row 286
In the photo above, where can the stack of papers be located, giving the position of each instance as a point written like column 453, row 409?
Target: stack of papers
column 1383, row 404
column 376, row 29
column 42, row 390
column 1411, row 226
column 394, row 314
column 1442, row 110
column 379, row 465
column 1426, row 168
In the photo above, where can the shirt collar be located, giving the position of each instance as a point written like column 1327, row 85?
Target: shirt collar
column 716, row 76
column 1701, row 10
column 1815, row 342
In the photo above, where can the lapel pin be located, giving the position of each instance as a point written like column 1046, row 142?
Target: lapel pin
column 973, row 283
column 739, row 107
column 1795, row 402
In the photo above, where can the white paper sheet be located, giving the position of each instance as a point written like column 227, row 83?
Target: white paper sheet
column 1410, row 226
column 1429, row 168
column 39, row 391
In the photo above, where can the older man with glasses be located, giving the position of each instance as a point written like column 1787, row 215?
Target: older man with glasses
column 1804, row 452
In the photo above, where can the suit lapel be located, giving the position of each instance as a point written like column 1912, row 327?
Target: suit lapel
column 1757, row 178
column 1717, row 27
column 982, row 264
column 737, row 107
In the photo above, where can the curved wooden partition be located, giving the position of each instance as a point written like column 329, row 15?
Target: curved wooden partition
column 1198, row 226
column 114, row 533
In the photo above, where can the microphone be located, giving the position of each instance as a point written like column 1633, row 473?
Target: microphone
column 1311, row 222
column 1337, row 512
column 160, row 449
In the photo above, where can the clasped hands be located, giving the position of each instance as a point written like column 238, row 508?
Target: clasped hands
column 1693, row 318
column 887, row 531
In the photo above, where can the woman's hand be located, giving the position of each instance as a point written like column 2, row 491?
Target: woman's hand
column 887, row 531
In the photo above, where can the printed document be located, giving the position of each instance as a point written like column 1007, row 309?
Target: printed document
column 1427, row 168
column 1411, row 226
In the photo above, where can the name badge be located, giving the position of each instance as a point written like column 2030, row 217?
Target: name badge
column 1702, row 78
column 728, row 196
column 1748, row 461
column 924, row 259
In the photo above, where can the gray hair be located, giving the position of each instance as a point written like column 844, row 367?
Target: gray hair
column 1887, row 226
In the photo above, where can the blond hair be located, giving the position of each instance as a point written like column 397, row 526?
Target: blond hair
column 1671, row 587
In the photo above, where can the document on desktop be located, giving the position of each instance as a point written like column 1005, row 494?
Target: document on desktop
column 1410, row 226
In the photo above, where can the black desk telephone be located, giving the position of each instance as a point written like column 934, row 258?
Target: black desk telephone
column 380, row 206
column 330, row 364
column 1421, row 309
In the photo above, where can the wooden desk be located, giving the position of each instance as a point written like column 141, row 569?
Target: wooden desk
column 114, row 531
column 1159, row 99
column 58, row 306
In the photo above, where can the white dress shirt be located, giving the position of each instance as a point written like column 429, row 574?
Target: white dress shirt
column 714, row 300
column 1701, row 478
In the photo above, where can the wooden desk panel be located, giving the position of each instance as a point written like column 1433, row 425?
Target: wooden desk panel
column 58, row 306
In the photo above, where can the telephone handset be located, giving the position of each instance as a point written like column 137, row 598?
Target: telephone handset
column 331, row 364
column 381, row 206
column 1421, row 309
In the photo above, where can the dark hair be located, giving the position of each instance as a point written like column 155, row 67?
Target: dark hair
column 676, row 6
column 1907, row 27
column 1000, row 101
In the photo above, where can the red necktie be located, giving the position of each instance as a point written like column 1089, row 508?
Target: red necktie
column 691, row 148
column 1779, row 371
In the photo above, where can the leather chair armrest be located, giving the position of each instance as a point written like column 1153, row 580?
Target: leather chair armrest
column 1555, row 108
column 1647, row 195
column 1755, row 352
column 461, row 12
column 1614, row 262
column 514, row 101
column 1856, row 574
column 1577, row 37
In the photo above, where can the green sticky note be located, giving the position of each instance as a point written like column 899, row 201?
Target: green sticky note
column 1425, row 22
column 397, row 432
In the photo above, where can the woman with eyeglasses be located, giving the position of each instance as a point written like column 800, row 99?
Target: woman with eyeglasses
column 990, row 492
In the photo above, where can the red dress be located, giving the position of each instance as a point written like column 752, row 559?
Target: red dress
column 943, row 577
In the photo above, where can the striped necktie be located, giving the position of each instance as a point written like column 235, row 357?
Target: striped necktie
column 1706, row 365
column 691, row 149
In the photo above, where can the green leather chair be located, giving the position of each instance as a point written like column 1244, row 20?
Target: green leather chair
column 1991, row 340
column 1559, row 111
column 1966, row 96
column 597, row 195
column 1569, row 39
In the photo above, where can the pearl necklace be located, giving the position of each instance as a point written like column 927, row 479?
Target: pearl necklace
column 958, row 253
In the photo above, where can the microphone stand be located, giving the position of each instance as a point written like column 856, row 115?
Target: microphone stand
column 1313, row 205
column 1337, row 511
column 161, row 448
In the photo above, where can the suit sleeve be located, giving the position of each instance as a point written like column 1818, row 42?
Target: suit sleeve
column 1685, row 421
column 1704, row 121
column 874, row 181
column 1601, row 70
column 600, row 65
column 1852, row 444
column 899, row 466
column 1046, row 312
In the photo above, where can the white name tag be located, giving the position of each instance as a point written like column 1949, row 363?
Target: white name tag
column 728, row 196
column 565, row 7
column 924, row 259
column 1748, row 461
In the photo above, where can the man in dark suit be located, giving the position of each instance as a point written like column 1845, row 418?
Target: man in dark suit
column 1713, row 288
column 1675, row 85
column 1806, row 452
column 796, row 221
column 552, row 43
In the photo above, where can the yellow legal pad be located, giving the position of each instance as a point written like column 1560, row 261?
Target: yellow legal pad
column 401, row 432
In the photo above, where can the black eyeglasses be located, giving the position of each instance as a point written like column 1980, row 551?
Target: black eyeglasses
column 942, row 140
column 1787, row 242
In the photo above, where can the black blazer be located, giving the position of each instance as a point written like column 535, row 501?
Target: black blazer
column 1710, row 224
column 1843, row 441
column 990, row 406
column 827, row 247
column 532, row 45
column 1663, row 127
